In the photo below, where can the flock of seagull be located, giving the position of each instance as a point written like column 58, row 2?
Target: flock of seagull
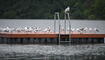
column 85, row 30
column 25, row 29
column 48, row 29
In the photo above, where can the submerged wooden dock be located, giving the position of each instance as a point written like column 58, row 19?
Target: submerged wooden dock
column 50, row 38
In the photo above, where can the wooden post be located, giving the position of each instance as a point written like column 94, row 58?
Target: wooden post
column 104, row 40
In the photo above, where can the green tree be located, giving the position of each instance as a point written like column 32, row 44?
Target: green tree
column 9, row 14
column 98, row 9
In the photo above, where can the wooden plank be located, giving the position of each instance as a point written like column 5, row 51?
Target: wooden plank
column 20, row 35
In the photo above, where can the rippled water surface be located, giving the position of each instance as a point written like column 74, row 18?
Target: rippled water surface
column 52, row 52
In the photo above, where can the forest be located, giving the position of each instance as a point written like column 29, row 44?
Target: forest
column 45, row 9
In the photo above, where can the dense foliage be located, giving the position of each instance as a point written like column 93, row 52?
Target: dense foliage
column 44, row 9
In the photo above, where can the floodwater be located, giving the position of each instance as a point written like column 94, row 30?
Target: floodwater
column 52, row 52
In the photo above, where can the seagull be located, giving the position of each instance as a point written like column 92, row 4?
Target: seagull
column 47, row 29
column 72, row 29
column 67, row 9
column 26, row 29
column 62, row 29
column 86, row 29
column 77, row 29
column 90, row 29
column 7, row 29
column 95, row 29
column 30, row 29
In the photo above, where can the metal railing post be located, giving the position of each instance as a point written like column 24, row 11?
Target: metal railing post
column 69, row 27
column 55, row 23
column 65, row 23
column 59, row 27
column 57, row 17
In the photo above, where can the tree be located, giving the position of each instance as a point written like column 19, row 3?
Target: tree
column 98, row 9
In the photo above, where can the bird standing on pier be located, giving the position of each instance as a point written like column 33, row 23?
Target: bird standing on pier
column 72, row 29
column 48, row 29
column 62, row 29
column 90, row 30
column 67, row 9
column 96, row 30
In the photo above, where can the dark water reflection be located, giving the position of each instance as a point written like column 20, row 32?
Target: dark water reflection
column 52, row 52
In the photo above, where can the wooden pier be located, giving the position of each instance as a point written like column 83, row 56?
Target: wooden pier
column 64, row 35
column 50, row 38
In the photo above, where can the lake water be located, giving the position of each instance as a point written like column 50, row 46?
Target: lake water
column 52, row 52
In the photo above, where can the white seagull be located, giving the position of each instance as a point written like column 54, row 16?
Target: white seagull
column 95, row 29
column 67, row 9
column 47, row 29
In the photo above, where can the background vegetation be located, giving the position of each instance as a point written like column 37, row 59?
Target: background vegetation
column 44, row 9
